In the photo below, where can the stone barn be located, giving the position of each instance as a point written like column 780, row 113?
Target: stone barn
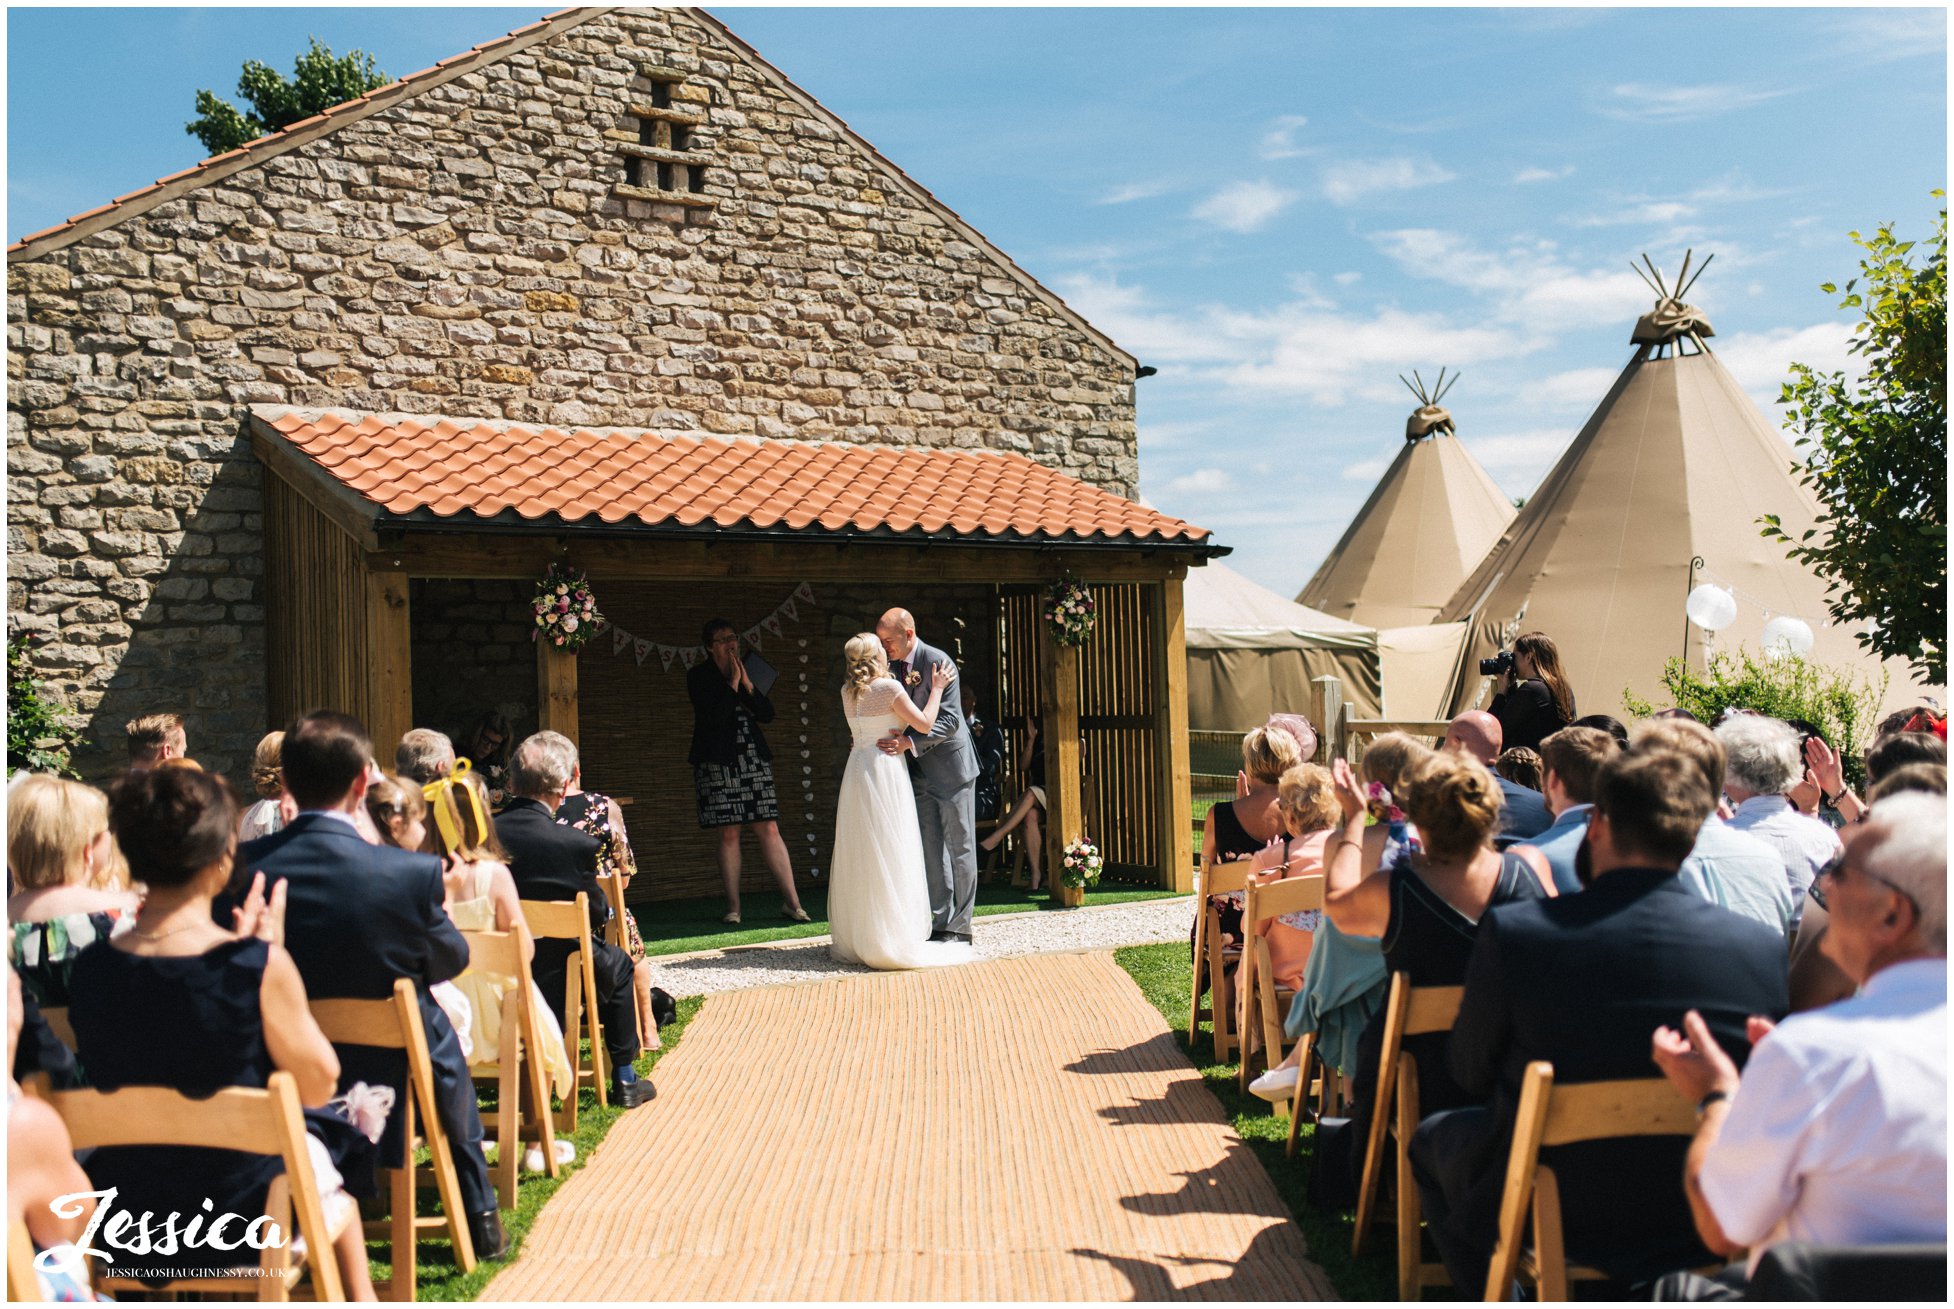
column 613, row 220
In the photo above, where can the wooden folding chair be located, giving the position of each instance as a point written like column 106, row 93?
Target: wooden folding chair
column 569, row 920
column 270, row 1121
column 396, row 1025
column 1327, row 1088
column 517, row 1071
column 1552, row 1115
column 22, row 1285
column 1259, row 998
column 1217, row 879
column 612, row 885
column 57, row 1021
column 1395, row 1115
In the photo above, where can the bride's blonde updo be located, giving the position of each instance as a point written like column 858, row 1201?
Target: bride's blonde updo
column 864, row 660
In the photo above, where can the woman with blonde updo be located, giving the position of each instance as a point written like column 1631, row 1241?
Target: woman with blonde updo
column 60, row 853
column 1240, row 828
column 267, row 814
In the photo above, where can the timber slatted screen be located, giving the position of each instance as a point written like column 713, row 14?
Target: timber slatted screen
column 315, row 611
column 1118, row 701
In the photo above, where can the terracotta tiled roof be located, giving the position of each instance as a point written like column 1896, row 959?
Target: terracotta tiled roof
column 432, row 468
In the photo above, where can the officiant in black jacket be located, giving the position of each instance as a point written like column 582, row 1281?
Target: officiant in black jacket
column 732, row 766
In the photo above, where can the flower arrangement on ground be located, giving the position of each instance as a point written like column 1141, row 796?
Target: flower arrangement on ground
column 1081, row 865
column 1069, row 609
column 566, row 611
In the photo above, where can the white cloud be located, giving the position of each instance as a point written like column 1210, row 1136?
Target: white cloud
column 1244, row 206
column 1526, row 283
column 1761, row 361
column 1132, row 191
column 1648, row 102
column 1347, row 279
column 1350, row 181
column 1527, row 176
column 1202, row 481
column 1522, row 458
column 1367, row 471
column 1577, row 388
column 1880, row 35
column 1279, row 142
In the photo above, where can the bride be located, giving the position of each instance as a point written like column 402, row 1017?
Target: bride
column 878, row 903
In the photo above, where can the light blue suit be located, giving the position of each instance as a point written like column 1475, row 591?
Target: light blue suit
column 1559, row 843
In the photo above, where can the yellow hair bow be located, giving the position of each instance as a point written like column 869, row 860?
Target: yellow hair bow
column 447, row 818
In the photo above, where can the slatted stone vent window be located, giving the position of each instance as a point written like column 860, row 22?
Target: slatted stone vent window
column 661, row 161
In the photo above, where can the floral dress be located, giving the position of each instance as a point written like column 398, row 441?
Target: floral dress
column 590, row 813
column 44, row 953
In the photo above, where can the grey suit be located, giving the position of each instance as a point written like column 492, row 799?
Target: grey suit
column 945, row 774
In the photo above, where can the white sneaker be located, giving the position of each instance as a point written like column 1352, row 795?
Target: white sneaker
column 532, row 1158
column 1277, row 1086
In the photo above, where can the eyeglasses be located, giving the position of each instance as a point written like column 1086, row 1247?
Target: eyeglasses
column 1836, row 865
column 725, row 640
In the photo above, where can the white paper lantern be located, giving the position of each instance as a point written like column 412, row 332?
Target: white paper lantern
column 1787, row 635
column 1711, row 607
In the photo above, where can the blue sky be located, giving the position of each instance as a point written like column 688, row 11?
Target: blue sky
column 1280, row 209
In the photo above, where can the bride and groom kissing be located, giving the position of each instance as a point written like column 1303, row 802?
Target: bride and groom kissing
column 903, row 880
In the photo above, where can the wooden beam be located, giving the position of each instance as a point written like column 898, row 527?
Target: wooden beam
column 1169, row 657
column 1326, row 709
column 390, row 673
column 1060, row 664
column 344, row 508
column 649, row 559
column 556, row 690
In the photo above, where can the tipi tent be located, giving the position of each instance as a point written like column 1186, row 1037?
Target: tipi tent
column 1430, row 520
column 1251, row 653
column 1674, row 468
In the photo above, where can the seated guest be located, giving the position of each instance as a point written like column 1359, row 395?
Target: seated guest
column 1307, row 802
column 1765, row 761
column 551, row 861
column 423, row 755
column 1345, row 978
column 267, row 814
column 1580, row 981
column 1238, row 829
column 1725, row 866
column 1523, row 814
column 1836, row 1131
column 1520, row 765
column 1927, row 779
column 154, row 738
column 488, row 749
column 360, row 915
column 1610, row 724
column 987, row 739
column 602, row 817
column 1025, row 810
column 57, row 844
column 41, row 1171
column 1571, row 759
column 181, row 1002
column 1889, row 752
column 399, row 814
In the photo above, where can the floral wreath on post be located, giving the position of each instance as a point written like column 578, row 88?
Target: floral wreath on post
column 1081, row 865
column 566, row 611
column 1069, row 609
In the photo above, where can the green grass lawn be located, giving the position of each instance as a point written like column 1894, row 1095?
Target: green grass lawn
column 1163, row 975
column 680, row 926
column 437, row 1275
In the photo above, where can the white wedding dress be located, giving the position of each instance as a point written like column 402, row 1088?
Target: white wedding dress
column 878, row 903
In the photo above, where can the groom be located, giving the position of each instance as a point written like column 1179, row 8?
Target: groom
column 946, row 778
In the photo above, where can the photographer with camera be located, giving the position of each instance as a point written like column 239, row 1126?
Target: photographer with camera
column 1536, row 701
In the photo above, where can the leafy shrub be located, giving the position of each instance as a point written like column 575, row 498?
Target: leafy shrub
column 1843, row 704
column 37, row 738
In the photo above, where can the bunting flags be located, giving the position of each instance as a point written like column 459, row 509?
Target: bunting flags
column 772, row 627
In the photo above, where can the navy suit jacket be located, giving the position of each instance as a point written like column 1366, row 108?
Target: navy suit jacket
column 1583, row 981
column 357, row 916
column 1522, row 813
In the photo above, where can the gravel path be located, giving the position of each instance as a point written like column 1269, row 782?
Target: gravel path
column 998, row 936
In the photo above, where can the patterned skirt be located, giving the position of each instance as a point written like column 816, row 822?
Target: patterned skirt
column 739, row 792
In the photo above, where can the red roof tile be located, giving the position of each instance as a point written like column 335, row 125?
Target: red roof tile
column 406, row 465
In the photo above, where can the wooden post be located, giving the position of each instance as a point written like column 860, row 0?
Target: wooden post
column 389, row 709
column 556, row 690
column 1060, row 667
column 1176, row 792
column 1326, row 710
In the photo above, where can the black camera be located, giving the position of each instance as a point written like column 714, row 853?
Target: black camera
column 1498, row 665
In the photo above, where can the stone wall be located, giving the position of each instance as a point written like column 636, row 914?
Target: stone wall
column 476, row 249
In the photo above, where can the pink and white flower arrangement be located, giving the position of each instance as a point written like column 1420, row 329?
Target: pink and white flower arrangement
column 1069, row 609
column 1080, row 865
column 565, row 609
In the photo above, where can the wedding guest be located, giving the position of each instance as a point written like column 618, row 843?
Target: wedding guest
column 988, row 741
column 1889, row 752
column 41, row 1174
column 423, row 755
column 550, row 861
column 1521, row 766
column 360, row 916
column 57, row 842
column 1725, row 866
column 1027, row 810
column 1537, row 700
column 732, row 766
column 1571, row 759
column 1928, row 779
column 1523, row 812
column 602, row 817
column 489, row 742
column 398, row 813
column 1835, row 1132
column 267, row 814
column 181, row 1002
column 1612, row 725
column 1764, row 762
column 1307, row 802
column 1238, row 829
column 154, row 738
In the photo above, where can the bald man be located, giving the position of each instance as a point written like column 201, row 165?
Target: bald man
column 945, row 775
column 1524, row 813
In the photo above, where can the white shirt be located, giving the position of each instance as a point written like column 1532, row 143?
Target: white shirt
column 1838, row 1131
column 1805, row 844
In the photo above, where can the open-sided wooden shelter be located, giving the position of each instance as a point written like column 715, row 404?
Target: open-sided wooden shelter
column 358, row 506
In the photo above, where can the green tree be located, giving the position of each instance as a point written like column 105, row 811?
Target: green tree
column 319, row 81
column 37, row 738
column 1877, row 456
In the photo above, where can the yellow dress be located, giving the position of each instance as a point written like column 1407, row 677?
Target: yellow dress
column 486, row 990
